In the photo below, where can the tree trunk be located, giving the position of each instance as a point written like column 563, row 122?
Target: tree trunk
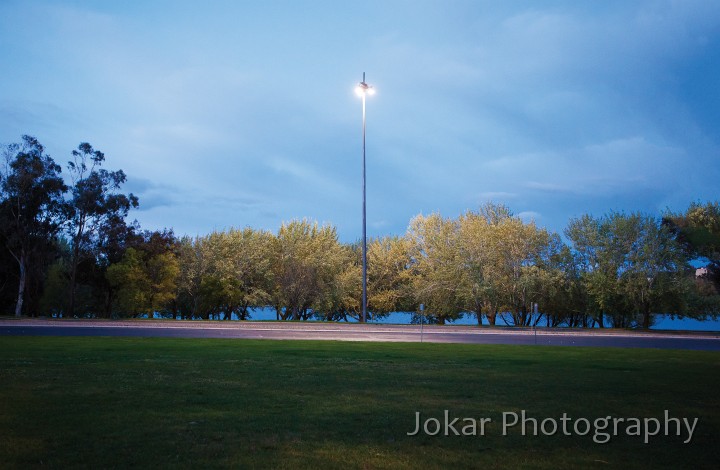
column 646, row 319
column 21, row 286
column 478, row 314
column 108, row 303
column 73, row 273
column 492, row 318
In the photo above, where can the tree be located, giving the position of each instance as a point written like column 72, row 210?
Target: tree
column 8, row 275
column 698, row 232
column 698, row 229
column 31, row 206
column 599, row 256
column 519, row 253
column 193, row 267
column 236, row 272
column 95, row 205
column 342, row 297
column 632, row 267
column 307, row 259
column 389, row 276
column 475, row 254
column 562, row 298
column 436, row 269
column 145, row 278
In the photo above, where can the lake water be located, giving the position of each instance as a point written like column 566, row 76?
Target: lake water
column 662, row 322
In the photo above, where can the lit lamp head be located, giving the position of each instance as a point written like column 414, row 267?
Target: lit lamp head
column 363, row 89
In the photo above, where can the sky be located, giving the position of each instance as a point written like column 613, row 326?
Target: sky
column 243, row 113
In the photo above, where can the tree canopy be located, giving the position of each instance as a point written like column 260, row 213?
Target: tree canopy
column 68, row 250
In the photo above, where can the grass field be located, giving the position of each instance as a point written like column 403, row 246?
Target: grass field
column 121, row 402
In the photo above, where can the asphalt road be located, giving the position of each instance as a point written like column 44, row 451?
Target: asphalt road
column 358, row 332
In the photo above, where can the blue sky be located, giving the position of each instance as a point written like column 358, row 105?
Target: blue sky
column 236, row 113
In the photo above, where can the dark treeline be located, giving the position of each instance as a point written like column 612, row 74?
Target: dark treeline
column 68, row 251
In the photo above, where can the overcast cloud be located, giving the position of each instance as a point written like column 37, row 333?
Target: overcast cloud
column 227, row 113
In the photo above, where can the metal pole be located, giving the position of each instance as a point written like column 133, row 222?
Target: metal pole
column 364, row 241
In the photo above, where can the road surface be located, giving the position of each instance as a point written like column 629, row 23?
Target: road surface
column 359, row 332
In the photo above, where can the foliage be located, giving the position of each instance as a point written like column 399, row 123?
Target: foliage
column 619, row 269
column 31, row 208
column 145, row 278
column 235, row 275
column 389, row 276
column 698, row 231
column 436, row 270
column 95, row 206
column 631, row 267
column 306, row 261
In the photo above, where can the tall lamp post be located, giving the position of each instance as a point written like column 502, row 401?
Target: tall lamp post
column 363, row 89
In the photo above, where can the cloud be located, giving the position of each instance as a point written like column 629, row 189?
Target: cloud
column 236, row 113
column 530, row 216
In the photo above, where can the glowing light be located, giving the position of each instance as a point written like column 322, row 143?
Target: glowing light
column 364, row 89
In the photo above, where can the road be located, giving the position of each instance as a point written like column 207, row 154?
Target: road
column 358, row 332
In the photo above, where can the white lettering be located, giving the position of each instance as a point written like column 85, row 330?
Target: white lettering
column 450, row 425
column 587, row 426
column 527, row 420
column 690, row 429
column 417, row 424
column 636, row 426
column 647, row 428
column 601, row 424
column 470, row 429
column 667, row 424
column 506, row 425
column 426, row 426
column 554, row 427
column 564, row 421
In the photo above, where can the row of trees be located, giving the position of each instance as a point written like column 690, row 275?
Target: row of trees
column 44, row 217
column 69, row 251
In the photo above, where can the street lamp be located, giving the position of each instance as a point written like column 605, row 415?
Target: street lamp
column 362, row 90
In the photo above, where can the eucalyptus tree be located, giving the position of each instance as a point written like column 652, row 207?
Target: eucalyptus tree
column 95, row 204
column 8, row 275
column 31, row 206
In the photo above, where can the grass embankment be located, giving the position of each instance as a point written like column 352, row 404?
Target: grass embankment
column 118, row 402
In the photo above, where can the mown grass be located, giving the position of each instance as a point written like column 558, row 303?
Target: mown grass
column 186, row 403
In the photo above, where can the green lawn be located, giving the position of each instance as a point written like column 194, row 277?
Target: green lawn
column 119, row 402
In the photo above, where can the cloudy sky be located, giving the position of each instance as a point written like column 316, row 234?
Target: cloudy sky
column 242, row 113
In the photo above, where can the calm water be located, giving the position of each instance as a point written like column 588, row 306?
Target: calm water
column 661, row 323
